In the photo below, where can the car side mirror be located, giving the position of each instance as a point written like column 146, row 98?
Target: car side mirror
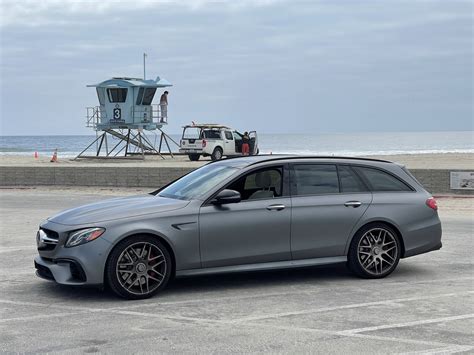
column 226, row 196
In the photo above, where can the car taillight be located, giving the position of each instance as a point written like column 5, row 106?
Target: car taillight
column 204, row 143
column 431, row 203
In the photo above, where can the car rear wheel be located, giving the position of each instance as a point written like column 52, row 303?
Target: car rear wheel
column 138, row 267
column 194, row 157
column 216, row 154
column 374, row 252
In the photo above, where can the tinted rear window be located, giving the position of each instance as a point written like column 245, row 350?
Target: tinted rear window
column 315, row 179
column 382, row 181
column 350, row 182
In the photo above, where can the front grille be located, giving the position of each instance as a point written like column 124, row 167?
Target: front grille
column 51, row 234
column 47, row 239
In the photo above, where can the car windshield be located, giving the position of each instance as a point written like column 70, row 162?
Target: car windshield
column 198, row 182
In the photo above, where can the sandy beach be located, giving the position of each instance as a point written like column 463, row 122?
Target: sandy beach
column 412, row 161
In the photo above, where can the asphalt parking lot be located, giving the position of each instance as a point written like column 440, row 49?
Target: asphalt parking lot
column 425, row 306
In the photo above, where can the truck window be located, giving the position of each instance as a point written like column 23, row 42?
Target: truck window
column 212, row 134
column 228, row 135
column 191, row 133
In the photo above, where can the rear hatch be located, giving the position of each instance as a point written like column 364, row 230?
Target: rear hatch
column 191, row 141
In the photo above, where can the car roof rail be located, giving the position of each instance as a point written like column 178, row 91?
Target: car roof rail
column 276, row 157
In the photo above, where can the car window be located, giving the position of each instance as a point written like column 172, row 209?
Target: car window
column 349, row 181
column 382, row 181
column 261, row 184
column 198, row 183
column 315, row 179
column 228, row 135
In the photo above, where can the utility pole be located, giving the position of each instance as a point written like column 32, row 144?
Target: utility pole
column 144, row 66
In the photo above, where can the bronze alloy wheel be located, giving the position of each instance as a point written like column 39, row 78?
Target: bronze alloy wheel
column 375, row 251
column 138, row 267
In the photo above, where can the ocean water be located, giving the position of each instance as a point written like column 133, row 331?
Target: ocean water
column 348, row 144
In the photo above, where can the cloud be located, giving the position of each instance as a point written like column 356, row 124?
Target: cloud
column 59, row 12
column 323, row 65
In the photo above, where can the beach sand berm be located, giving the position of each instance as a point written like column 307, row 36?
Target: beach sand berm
column 412, row 161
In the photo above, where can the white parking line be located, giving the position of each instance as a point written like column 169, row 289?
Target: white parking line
column 353, row 333
column 238, row 320
column 39, row 316
column 272, row 294
column 17, row 248
column 406, row 324
column 349, row 306
column 53, row 306
column 362, row 336
column 452, row 349
column 220, row 322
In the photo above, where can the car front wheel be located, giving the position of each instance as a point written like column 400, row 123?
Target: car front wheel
column 374, row 252
column 138, row 267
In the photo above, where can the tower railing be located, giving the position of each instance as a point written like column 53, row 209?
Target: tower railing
column 140, row 114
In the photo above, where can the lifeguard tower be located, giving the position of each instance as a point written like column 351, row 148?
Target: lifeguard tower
column 125, row 111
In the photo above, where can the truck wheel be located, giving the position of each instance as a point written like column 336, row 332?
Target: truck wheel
column 194, row 157
column 216, row 154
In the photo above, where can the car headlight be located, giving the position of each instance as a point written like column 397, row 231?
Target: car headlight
column 84, row 236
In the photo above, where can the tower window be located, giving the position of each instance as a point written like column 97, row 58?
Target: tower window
column 117, row 95
column 148, row 96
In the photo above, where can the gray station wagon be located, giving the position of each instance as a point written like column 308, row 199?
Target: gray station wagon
column 254, row 213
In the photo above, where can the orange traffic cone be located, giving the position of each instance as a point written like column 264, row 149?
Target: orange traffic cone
column 36, row 155
column 54, row 158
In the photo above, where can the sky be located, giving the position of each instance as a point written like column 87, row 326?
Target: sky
column 274, row 66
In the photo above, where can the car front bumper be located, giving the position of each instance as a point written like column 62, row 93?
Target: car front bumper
column 80, row 265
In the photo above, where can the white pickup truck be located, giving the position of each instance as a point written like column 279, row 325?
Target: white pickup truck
column 215, row 141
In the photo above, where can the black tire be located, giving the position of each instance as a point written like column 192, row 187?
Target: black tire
column 217, row 154
column 163, row 261
column 194, row 157
column 362, row 255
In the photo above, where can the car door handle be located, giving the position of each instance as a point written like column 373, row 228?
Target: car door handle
column 276, row 207
column 354, row 204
